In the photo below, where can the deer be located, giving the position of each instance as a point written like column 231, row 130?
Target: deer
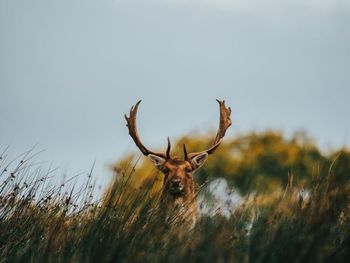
column 178, row 190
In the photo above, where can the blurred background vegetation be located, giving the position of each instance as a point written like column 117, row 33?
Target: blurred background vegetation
column 258, row 162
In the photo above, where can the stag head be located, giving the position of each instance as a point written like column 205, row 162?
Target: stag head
column 178, row 180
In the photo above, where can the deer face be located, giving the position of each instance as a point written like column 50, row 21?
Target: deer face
column 178, row 173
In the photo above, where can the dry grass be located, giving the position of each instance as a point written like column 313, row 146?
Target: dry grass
column 39, row 223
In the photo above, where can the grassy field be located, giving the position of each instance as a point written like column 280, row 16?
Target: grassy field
column 40, row 222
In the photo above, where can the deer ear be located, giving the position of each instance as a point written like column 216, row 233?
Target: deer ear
column 198, row 160
column 157, row 161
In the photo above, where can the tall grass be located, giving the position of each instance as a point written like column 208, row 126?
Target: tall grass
column 40, row 222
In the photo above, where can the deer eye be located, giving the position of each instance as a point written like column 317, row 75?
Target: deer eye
column 165, row 170
column 188, row 170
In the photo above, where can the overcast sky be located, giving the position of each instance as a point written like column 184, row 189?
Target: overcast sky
column 70, row 69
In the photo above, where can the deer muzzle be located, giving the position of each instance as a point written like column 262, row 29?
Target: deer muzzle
column 176, row 187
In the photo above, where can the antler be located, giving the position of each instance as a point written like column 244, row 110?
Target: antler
column 131, row 124
column 225, row 122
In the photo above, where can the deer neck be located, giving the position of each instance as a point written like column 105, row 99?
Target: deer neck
column 182, row 207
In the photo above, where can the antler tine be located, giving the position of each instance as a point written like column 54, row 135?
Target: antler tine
column 185, row 152
column 131, row 124
column 168, row 149
column 225, row 123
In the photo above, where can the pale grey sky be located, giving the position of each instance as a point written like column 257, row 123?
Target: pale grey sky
column 70, row 69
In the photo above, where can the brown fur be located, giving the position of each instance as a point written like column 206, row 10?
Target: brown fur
column 179, row 207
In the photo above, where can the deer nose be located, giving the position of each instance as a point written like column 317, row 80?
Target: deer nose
column 176, row 182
